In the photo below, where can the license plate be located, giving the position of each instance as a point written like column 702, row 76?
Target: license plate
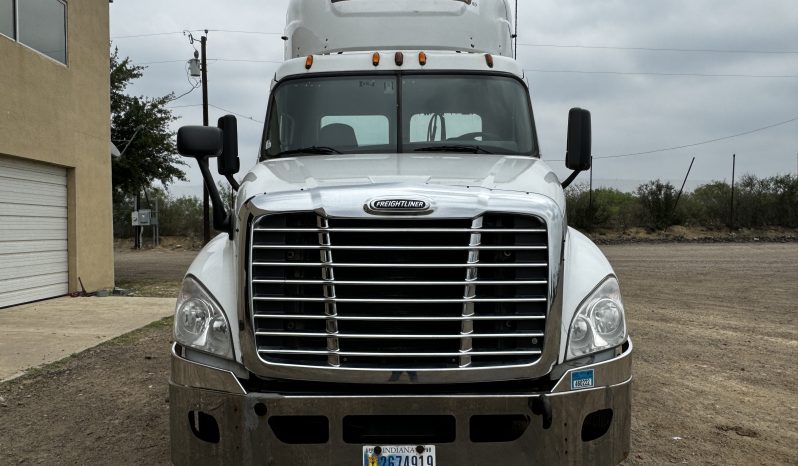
column 399, row 455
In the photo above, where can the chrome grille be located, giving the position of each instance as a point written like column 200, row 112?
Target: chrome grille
column 399, row 294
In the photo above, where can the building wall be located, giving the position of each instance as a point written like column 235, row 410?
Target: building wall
column 61, row 115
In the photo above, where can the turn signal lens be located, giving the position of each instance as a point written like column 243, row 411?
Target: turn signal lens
column 309, row 62
column 422, row 58
column 375, row 59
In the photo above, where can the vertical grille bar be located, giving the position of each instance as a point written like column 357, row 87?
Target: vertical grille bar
column 330, row 307
column 467, row 326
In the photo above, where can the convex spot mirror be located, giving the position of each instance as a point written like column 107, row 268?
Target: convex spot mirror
column 199, row 141
column 578, row 155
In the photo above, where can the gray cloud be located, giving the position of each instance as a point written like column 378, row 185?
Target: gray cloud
column 631, row 112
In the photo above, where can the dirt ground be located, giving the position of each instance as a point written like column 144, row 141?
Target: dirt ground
column 151, row 272
column 716, row 357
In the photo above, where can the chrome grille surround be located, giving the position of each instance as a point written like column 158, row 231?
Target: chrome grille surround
column 325, row 335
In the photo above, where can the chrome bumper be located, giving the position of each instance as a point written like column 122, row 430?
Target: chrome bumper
column 214, row 420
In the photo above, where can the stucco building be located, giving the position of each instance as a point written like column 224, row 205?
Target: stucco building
column 55, row 167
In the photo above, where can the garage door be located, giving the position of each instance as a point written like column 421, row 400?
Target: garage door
column 33, row 231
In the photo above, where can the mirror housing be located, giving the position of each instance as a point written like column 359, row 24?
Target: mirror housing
column 202, row 142
column 578, row 154
column 199, row 141
column 228, row 162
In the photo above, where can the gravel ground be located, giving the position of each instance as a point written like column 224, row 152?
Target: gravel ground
column 716, row 355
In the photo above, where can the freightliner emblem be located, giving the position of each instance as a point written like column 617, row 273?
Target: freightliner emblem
column 399, row 206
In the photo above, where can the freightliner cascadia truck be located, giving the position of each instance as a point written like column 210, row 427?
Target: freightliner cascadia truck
column 396, row 283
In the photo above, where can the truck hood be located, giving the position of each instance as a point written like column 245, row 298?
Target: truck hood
column 488, row 172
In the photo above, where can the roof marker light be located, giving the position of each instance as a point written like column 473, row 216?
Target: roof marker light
column 489, row 59
column 309, row 62
column 399, row 58
column 375, row 59
column 422, row 58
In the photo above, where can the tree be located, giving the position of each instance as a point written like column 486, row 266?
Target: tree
column 142, row 125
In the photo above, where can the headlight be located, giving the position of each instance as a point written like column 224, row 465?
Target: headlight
column 599, row 323
column 200, row 323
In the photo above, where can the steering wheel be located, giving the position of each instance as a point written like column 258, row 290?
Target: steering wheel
column 473, row 136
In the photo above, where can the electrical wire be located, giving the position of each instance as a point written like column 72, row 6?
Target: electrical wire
column 695, row 144
column 135, row 36
column 559, row 46
column 656, row 49
column 235, row 113
column 531, row 70
column 194, row 86
column 231, row 31
column 219, row 108
column 642, row 73
column 233, row 60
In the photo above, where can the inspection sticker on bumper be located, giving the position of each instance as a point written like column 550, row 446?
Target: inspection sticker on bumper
column 582, row 379
column 399, row 455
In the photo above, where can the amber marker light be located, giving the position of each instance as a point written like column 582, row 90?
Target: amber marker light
column 489, row 59
column 422, row 58
column 399, row 58
column 375, row 59
column 309, row 62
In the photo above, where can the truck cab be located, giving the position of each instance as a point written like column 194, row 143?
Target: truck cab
column 396, row 283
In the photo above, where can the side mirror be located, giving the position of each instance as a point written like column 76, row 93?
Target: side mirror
column 578, row 156
column 202, row 142
column 229, row 163
column 199, row 141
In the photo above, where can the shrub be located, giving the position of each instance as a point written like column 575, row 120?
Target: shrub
column 610, row 208
column 658, row 200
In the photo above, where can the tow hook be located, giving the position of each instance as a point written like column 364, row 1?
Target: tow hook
column 541, row 406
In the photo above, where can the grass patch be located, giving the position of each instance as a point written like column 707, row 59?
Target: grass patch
column 151, row 288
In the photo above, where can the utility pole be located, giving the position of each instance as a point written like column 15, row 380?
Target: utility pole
column 681, row 190
column 206, row 217
column 590, row 196
column 731, row 217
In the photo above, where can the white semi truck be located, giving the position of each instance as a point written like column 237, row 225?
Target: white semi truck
column 397, row 284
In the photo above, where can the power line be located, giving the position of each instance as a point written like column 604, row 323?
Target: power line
column 235, row 113
column 233, row 60
column 642, row 73
column 218, row 108
column 656, row 49
column 685, row 146
column 248, row 60
column 610, row 73
column 559, row 46
column 152, row 34
column 230, row 31
column 745, row 133
column 246, row 32
column 185, row 93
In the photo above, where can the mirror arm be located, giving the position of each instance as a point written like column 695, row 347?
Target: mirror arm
column 221, row 219
column 233, row 183
column 570, row 179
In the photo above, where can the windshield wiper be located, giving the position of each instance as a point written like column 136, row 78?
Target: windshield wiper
column 454, row 148
column 309, row 150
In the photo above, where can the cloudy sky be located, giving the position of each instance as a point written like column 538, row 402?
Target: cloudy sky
column 730, row 66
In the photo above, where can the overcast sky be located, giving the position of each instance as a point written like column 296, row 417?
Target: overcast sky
column 631, row 112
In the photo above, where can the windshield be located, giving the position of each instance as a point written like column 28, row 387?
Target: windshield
column 469, row 113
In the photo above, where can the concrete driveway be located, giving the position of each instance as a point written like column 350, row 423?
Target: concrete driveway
column 35, row 334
